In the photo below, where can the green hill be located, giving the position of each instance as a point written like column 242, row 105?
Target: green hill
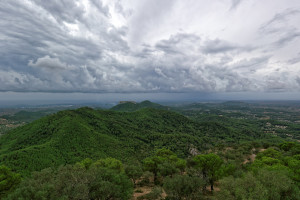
column 72, row 135
column 131, row 106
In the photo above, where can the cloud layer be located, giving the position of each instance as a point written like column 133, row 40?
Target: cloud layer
column 149, row 46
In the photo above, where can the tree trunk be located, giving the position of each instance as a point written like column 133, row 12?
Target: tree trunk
column 204, row 178
column 212, row 186
column 155, row 178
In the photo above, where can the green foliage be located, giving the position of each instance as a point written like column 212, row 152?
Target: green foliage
column 210, row 166
column 271, row 153
column 86, row 163
column 134, row 171
column 274, row 185
column 164, row 162
column 8, row 181
column 287, row 146
column 71, row 182
column 287, row 160
column 69, row 136
column 110, row 137
column 183, row 187
column 290, row 147
column 278, row 184
column 241, row 188
column 110, row 163
column 146, row 178
column 110, row 185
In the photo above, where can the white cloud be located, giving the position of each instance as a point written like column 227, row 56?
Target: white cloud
column 149, row 46
column 48, row 62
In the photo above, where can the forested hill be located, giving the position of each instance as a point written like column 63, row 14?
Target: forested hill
column 131, row 106
column 72, row 135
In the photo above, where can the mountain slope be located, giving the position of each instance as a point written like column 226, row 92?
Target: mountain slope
column 70, row 136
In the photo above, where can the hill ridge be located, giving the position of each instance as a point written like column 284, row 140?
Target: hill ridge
column 130, row 106
column 72, row 135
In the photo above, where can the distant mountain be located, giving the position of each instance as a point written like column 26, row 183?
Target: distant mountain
column 133, row 106
column 72, row 135
column 27, row 116
column 236, row 103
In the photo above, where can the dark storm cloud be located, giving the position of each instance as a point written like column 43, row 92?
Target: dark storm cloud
column 221, row 46
column 298, row 80
column 36, row 35
column 286, row 38
column 279, row 19
column 99, row 5
column 252, row 64
column 281, row 28
column 63, row 10
column 174, row 44
column 108, row 46
column 294, row 60
column 32, row 37
column 181, row 63
column 235, row 4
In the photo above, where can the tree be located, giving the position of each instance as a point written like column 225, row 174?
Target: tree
column 153, row 195
column 110, row 163
column 108, row 184
column 246, row 187
column 86, row 163
column 133, row 171
column 210, row 166
column 287, row 146
column 164, row 162
column 71, row 182
column 264, row 184
column 183, row 187
column 8, row 180
column 270, row 152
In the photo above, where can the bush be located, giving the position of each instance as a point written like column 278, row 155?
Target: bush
column 146, row 178
column 8, row 181
column 183, row 187
column 75, row 183
column 275, row 185
column 133, row 171
column 154, row 194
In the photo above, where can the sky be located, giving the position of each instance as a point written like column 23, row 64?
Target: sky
column 239, row 49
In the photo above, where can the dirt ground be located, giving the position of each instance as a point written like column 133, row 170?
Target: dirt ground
column 252, row 157
column 145, row 190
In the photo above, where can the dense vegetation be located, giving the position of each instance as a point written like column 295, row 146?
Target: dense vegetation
column 274, row 174
column 279, row 119
column 72, row 135
column 98, row 154
column 11, row 118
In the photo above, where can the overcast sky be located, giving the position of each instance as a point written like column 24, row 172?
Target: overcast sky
column 150, row 46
